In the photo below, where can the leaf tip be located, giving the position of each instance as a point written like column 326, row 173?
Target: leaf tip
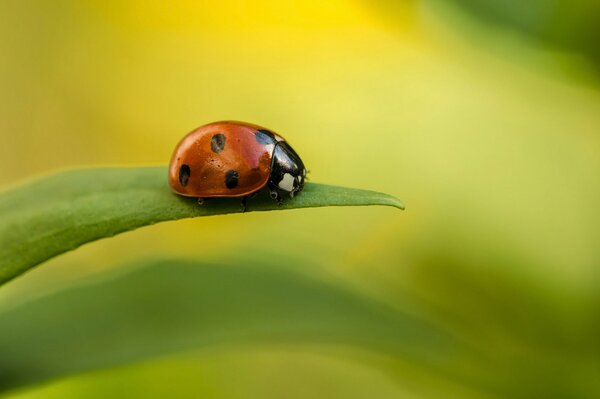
column 396, row 203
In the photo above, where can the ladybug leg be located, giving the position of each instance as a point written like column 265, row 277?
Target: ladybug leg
column 245, row 200
column 275, row 195
column 201, row 201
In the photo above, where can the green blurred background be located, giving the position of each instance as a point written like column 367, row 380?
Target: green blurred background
column 482, row 116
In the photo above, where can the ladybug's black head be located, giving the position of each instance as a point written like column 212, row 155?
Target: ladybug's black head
column 287, row 172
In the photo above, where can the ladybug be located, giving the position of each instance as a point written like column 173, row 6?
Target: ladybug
column 235, row 159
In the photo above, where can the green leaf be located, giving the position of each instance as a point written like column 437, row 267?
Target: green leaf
column 60, row 212
column 171, row 306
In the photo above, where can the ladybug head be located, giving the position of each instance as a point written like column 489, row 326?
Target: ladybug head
column 287, row 172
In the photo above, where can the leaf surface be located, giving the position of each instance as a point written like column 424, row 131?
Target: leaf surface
column 57, row 213
column 161, row 307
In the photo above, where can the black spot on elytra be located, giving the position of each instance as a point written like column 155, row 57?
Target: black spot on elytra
column 231, row 179
column 264, row 136
column 217, row 143
column 184, row 175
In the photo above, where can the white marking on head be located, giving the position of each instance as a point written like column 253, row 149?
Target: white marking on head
column 279, row 138
column 287, row 183
column 304, row 172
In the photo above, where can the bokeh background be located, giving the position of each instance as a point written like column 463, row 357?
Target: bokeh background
column 482, row 116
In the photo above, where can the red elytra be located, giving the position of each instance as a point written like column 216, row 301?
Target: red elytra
column 234, row 159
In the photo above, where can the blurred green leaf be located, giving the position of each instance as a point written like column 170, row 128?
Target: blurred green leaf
column 169, row 306
column 571, row 25
column 58, row 213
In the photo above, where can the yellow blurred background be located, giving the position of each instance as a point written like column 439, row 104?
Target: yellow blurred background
column 484, row 124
